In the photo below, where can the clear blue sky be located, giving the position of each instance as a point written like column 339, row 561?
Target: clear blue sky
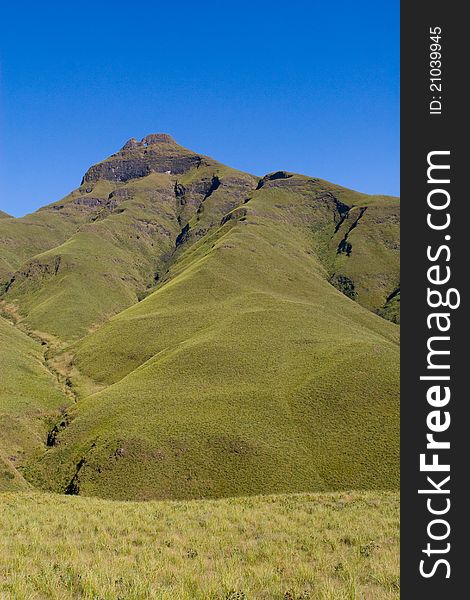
column 311, row 87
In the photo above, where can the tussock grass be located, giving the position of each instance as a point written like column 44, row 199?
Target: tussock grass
column 340, row 546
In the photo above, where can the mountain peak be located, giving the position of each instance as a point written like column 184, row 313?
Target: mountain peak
column 148, row 140
column 157, row 138
column 155, row 153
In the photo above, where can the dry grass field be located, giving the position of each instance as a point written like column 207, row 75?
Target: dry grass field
column 288, row 547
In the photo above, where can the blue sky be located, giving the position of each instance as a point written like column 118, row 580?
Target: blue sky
column 311, row 87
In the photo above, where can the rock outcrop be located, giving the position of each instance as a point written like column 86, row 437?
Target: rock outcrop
column 155, row 153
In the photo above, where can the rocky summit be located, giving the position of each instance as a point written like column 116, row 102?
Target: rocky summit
column 156, row 153
column 176, row 328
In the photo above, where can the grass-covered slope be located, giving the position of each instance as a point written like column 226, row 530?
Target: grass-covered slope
column 366, row 249
column 29, row 400
column 23, row 238
column 300, row 547
column 245, row 372
column 124, row 232
column 98, row 270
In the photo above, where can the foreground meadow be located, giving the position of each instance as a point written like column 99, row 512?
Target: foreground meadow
column 286, row 547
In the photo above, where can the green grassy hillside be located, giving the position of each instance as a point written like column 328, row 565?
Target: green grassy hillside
column 300, row 547
column 22, row 239
column 366, row 254
column 244, row 372
column 122, row 239
column 223, row 334
column 29, row 400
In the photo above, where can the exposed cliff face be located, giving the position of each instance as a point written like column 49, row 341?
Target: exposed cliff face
column 155, row 153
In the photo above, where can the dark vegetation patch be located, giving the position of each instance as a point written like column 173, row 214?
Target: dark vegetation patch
column 345, row 285
column 345, row 245
column 391, row 308
column 52, row 436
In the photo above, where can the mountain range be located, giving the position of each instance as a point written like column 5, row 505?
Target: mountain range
column 175, row 328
